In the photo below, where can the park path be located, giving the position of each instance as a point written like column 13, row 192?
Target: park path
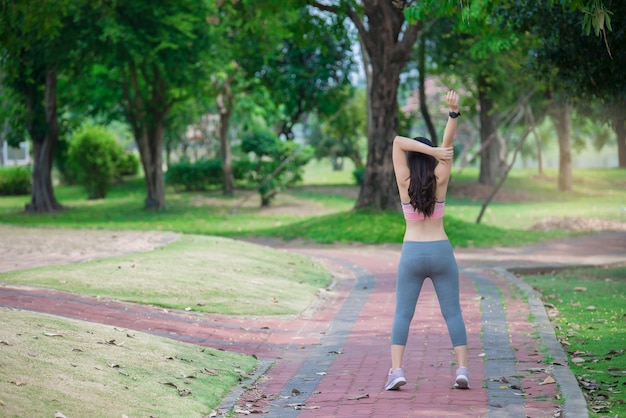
column 332, row 360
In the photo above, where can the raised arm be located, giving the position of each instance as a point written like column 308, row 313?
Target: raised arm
column 402, row 144
column 452, row 100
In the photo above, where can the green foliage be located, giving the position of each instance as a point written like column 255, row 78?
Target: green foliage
column 128, row 164
column 307, row 70
column 15, row 181
column 94, row 156
column 194, row 176
column 590, row 325
column 207, row 174
column 278, row 165
column 359, row 175
column 342, row 132
column 261, row 143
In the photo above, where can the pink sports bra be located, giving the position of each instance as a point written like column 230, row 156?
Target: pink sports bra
column 411, row 214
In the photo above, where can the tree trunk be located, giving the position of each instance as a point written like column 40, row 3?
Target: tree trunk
column 619, row 125
column 422, row 92
column 490, row 146
column 539, row 154
column 561, row 117
column 44, row 144
column 388, row 53
column 151, row 151
column 367, row 70
column 146, row 118
column 225, row 107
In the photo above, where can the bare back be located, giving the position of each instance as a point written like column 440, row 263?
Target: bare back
column 427, row 229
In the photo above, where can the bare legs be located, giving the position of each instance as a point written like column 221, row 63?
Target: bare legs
column 397, row 353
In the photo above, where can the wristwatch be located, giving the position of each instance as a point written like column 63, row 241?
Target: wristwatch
column 454, row 115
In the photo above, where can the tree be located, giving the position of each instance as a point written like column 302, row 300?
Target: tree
column 156, row 49
column 246, row 35
column 578, row 71
column 387, row 40
column 36, row 39
column 339, row 135
column 308, row 70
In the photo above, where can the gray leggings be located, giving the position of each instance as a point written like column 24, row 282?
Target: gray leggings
column 419, row 260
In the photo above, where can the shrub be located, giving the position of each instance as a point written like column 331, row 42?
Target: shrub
column 279, row 164
column 359, row 175
column 15, row 181
column 196, row 176
column 128, row 164
column 93, row 154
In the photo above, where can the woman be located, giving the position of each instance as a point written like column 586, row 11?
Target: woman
column 426, row 250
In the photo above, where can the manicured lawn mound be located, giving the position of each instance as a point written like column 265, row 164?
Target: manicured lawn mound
column 196, row 273
column 80, row 369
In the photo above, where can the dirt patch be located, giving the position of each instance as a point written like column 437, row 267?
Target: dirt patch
column 579, row 224
column 22, row 248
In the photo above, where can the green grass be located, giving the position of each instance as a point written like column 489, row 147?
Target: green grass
column 324, row 212
column 52, row 364
column 591, row 304
column 194, row 273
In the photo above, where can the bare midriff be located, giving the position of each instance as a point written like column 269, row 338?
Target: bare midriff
column 425, row 230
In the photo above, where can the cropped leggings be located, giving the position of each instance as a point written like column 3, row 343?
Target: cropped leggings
column 419, row 260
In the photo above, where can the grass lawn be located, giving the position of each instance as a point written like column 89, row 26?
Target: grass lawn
column 588, row 311
column 80, row 369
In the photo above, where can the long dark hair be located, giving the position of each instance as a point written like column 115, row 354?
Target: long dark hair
column 423, row 183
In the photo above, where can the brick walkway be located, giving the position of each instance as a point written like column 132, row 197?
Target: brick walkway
column 332, row 360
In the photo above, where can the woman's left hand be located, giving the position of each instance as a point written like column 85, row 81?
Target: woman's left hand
column 452, row 99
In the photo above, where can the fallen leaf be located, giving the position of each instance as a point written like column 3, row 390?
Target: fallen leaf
column 580, row 289
column 357, row 397
column 590, row 308
column 295, row 392
column 4, row 342
column 52, row 334
column 578, row 360
column 111, row 342
column 16, row 383
column 59, row 415
column 548, row 380
column 321, row 373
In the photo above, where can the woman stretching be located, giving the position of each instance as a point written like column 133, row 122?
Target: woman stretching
column 426, row 250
